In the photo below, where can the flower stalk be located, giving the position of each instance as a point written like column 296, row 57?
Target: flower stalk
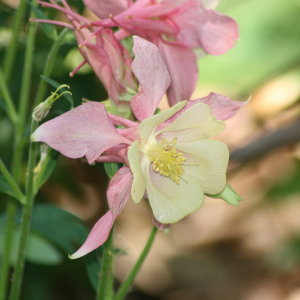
column 125, row 286
column 11, row 50
column 106, row 279
column 26, row 220
column 49, row 65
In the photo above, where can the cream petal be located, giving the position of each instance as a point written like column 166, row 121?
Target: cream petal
column 148, row 125
column 207, row 160
column 170, row 202
column 195, row 123
column 139, row 184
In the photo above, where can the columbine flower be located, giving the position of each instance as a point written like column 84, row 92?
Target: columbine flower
column 169, row 157
column 101, row 50
column 176, row 163
column 177, row 27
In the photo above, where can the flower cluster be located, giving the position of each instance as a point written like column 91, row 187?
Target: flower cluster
column 176, row 27
column 169, row 158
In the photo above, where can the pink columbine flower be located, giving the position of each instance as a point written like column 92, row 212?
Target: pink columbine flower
column 169, row 157
column 177, row 27
column 99, row 47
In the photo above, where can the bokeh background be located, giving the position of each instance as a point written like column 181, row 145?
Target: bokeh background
column 220, row 252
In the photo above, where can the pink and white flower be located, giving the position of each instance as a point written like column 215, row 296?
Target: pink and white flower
column 169, row 157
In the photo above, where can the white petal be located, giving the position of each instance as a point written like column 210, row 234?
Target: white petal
column 149, row 124
column 138, row 185
column 207, row 160
column 170, row 202
column 195, row 123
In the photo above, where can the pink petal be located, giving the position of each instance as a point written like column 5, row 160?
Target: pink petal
column 82, row 131
column 142, row 18
column 182, row 65
column 145, row 27
column 109, row 60
column 208, row 29
column 222, row 107
column 118, row 194
column 219, row 33
column 105, row 8
column 97, row 236
column 152, row 74
column 120, row 60
column 148, row 9
column 119, row 190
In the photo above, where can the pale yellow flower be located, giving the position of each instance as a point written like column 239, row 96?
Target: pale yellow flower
column 174, row 162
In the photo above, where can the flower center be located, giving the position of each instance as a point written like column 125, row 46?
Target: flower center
column 166, row 160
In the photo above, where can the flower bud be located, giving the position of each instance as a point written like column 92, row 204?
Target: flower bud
column 42, row 110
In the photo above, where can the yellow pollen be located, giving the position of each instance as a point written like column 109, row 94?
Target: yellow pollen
column 166, row 160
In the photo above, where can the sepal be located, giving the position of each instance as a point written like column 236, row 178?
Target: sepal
column 229, row 195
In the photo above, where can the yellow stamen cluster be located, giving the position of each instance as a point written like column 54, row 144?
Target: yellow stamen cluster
column 166, row 160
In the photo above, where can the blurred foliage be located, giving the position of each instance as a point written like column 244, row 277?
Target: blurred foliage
column 269, row 45
column 286, row 187
column 286, row 257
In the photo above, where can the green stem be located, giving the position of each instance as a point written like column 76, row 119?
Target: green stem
column 11, row 181
column 27, row 71
column 48, row 68
column 11, row 50
column 10, row 213
column 24, row 94
column 25, row 220
column 16, row 165
column 106, row 277
column 123, row 290
column 11, row 209
column 10, row 106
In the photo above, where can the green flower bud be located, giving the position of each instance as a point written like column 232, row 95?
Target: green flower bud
column 42, row 110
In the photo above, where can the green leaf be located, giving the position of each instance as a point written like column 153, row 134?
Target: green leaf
column 68, row 233
column 8, row 184
column 5, row 188
column 39, row 250
column 111, row 169
column 8, row 190
column 93, row 266
column 46, row 167
column 56, row 84
column 60, row 227
column 48, row 29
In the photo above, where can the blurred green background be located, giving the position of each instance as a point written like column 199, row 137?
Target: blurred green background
column 220, row 252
